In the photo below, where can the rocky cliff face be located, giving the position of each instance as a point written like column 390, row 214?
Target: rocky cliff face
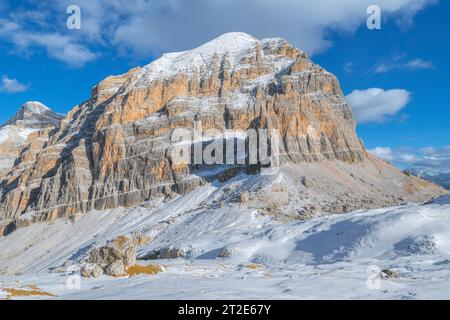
column 31, row 117
column 114, row 150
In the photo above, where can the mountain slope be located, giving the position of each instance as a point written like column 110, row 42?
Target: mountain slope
column 338, row 256
column 116, row 149
column 31, row 117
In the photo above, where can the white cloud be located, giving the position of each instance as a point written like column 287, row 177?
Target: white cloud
column 61, row 47
column 431, row 160
column 9, row 85
column 348, row 67
column 148, row 27
column 433, row 151
column 58, row 46
column 377, row 105
column 384, row 153
column 419, row 64
column 180, row 24
column 398, row 62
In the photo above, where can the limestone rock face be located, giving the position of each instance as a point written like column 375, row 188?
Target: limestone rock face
column 28, row 121
column 114, row 149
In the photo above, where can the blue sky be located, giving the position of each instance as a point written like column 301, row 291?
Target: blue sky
column 399, row 72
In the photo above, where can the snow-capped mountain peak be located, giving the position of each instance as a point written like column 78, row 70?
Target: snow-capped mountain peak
column 228, row 42
column 35, row 106
column 34, row 114
column 231, row 48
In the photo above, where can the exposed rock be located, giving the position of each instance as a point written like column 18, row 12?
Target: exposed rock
column 141, row 240
column 120, row 249
column 165, row 253
column 224, row 253
column 386, row 273
column 114, row 258
column 171, row 253
column 244, row 197
column 90, row 270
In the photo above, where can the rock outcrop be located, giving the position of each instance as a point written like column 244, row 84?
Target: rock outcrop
column 119, row 249
column 115, row 149
column 112, row 259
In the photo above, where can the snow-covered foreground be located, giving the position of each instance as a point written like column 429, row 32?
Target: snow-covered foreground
column 329, row 257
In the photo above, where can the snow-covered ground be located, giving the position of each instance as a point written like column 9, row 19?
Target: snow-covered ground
column 330, row 256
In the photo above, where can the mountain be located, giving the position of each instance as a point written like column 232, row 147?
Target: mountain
column 34, row 115
column 121, row 149
column 440, row 179
column 31, row 117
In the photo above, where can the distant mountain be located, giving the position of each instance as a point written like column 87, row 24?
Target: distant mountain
column 31, row 117
column 34, row 115
column 440, row 179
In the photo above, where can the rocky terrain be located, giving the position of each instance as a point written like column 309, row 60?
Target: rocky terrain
column 31, row 117
column 114, row 150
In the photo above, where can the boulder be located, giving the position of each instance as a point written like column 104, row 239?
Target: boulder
column 165, row 253
column 119, row 249
column 171, row 253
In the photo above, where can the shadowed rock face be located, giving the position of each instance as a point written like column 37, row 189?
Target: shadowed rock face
column 113, row 150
